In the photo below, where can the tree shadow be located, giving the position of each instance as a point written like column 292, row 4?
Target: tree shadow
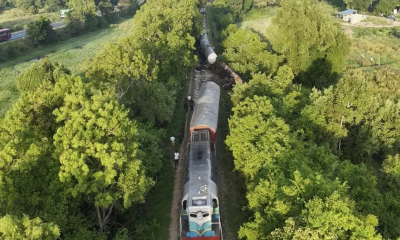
column 263, row 39
column 319, row 75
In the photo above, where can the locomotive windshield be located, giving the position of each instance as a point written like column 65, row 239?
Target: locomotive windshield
column 199, row 202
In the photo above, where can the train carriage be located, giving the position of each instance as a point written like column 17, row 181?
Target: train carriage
column 205, row 114
column 200, row 216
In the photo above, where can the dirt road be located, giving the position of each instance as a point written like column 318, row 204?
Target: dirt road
column 180, row 174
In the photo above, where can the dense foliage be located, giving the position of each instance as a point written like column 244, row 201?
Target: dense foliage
column 78, row 155
column 246, row 53
column 41, row 31
column 318, row 149
column 314, row 46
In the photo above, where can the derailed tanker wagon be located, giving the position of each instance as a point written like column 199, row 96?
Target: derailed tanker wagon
column 207, row 50
column 200, row 217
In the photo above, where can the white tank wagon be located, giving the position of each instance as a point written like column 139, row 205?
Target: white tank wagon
column 207, row 50
column 200, row 218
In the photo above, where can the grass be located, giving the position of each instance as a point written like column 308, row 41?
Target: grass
column 257, row 13
column 378, row 20
column 65, row 52
column 381, row 44
column 16, row 19
column 258, row 20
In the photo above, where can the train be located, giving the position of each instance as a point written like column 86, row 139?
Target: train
column 200, row 215
column 5, row 34
column 206, row 51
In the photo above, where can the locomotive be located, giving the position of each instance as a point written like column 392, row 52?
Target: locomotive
column 200, row 217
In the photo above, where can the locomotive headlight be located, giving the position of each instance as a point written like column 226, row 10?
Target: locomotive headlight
column 199, row 215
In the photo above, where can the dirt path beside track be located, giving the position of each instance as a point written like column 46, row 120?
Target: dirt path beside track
column 180, row 174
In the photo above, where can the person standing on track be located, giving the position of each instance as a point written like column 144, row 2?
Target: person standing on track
column 176, row 158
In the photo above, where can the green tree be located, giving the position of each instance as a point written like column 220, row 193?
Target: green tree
column 354, row 116
column 265, row 3
column 391, row 166
column 27, row 5
column 235, row 6
column 160, row 50
column 333, row 217
column 97, row 148
column 386, row 6
column 41, row 31
column 82, row 7
column 305, row 36
column 247, row 55
column 27, row 152
column 247, row 5
column 361, row 5
column 105, row 7
column 12, row 228
column 251, row 147
column 44, row 71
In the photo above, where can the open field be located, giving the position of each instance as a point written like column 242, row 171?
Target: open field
column 72, row 53
column 377, row 37
column 16, row 19
column 258, row 20
column 381, row 44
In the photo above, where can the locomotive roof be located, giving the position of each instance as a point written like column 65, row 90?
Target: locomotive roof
column 199, row 169
column 205, row 115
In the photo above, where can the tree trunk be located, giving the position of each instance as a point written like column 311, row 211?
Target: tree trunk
column 102, row 216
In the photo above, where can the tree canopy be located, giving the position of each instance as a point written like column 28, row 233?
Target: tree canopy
column 313, row 45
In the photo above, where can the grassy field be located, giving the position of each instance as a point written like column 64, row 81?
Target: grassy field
column 378, row 20
column 16, row 19
column 258, row 20
column 72, row 53
column 379, row 43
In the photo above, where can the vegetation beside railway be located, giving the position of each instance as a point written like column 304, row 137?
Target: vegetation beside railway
column 89, row 180
column 314, row 138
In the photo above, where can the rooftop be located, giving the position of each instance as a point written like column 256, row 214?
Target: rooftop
column 346, row 12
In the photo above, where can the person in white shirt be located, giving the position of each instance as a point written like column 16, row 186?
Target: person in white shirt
column 172, row 143
column 176, row 158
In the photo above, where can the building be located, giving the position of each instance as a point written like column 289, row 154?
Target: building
column 351, row 16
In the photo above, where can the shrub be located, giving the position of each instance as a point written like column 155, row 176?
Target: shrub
column 90, row 22
column 75, row 24
column 41, row 31
column 102, row 23
column 10, row 49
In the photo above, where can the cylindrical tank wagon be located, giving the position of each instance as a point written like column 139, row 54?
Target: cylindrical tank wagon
column 207, row 50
